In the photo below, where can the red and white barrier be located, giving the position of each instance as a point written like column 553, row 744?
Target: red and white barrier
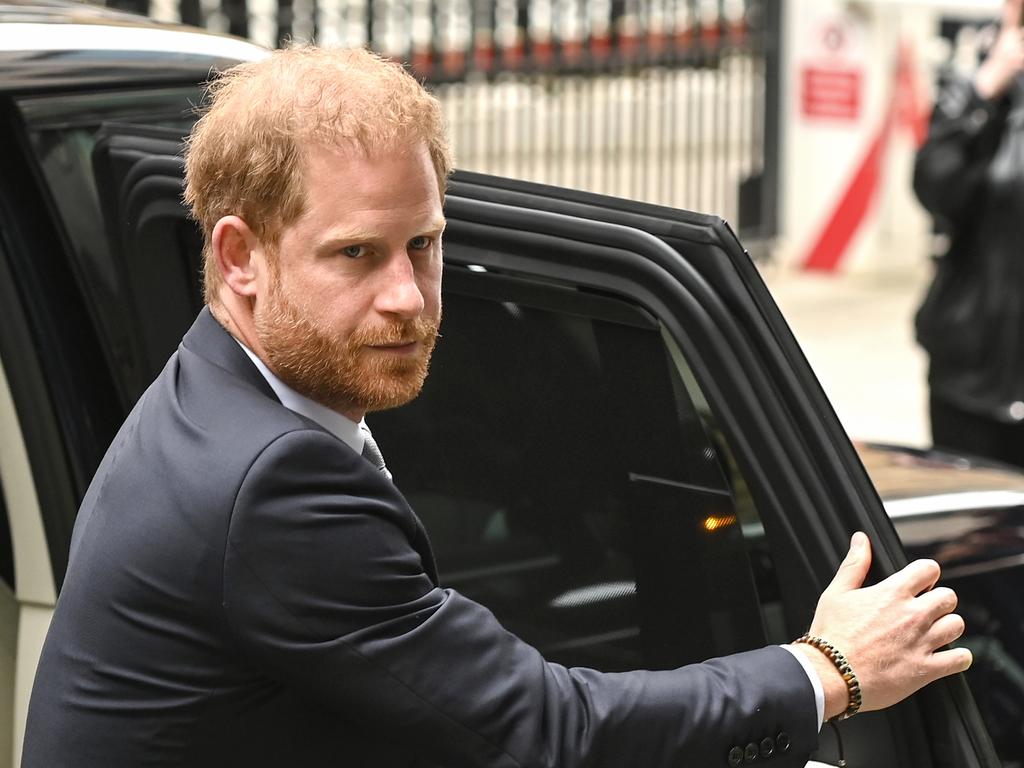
column 858, row 79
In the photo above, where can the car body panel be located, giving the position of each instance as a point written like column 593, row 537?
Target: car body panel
column 33, row 574
column 24, row 612
column 964, row 512
column 47, row 46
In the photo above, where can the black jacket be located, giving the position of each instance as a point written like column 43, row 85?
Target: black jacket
column 246, row 590
column 970, row 175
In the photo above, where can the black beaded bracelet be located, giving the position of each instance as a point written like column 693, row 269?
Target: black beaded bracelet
column 839, row 662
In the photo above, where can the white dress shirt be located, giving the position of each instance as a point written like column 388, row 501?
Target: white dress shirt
column 346, row 430
column 812, row 674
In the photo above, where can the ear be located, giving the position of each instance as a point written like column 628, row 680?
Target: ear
column 235, row 248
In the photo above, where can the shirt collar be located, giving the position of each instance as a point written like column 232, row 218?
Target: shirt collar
column 346, row 430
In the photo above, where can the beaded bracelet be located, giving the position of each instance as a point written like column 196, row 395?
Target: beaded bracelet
column 839, row 662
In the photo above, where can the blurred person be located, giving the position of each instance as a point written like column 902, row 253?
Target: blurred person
column 969, row 174
column 247, row 586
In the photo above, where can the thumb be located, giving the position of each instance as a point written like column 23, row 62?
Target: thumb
column 854, row 568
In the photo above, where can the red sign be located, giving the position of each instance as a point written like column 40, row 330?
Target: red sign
column 830, row 92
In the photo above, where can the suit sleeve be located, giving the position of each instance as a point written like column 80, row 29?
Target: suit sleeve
column 324, row 592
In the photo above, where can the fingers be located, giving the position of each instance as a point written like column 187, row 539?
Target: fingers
column 944, row 631
column 920, row 576
column 951, row 662
column 937, row 603
column 896, row 633
column 854, row 568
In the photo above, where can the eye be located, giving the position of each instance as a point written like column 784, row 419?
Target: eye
column 353, row 251
column 420, row 243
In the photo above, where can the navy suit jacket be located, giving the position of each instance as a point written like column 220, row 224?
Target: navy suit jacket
column 245, row 589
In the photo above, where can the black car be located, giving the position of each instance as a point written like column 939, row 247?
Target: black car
column 620, row 450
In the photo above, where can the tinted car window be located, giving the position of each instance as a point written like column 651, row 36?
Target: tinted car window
column 573, row 480
column 63, row 131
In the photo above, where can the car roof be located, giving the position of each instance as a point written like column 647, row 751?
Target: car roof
column 52, row 44
column 58, row 11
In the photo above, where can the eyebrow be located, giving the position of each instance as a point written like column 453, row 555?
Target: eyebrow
column 368, row 235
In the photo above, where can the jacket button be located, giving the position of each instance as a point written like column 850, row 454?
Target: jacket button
column 735, row 757
column 782, row 741
column 751, row 753
column 767, row 746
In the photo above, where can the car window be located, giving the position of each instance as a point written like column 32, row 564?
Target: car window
column 574, row 480
column 63, row 132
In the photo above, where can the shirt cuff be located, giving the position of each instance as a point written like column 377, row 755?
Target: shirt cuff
column 812, row 675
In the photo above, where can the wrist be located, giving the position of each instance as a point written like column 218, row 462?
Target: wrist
column 841, row 691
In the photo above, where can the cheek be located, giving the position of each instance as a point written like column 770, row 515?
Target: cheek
column 432, row 297
column 341, row 321
column 430, row 287
column 334, row 302
column 321, row 306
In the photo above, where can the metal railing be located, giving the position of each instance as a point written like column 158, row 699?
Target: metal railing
column 668, row 101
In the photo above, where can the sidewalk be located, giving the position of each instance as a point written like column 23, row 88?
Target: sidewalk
column 857, row 333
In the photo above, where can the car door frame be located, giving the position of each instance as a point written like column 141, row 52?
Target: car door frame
column 801, row 437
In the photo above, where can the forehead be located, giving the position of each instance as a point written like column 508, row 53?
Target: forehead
column 365, row 152
column 346, row 183
column 359, row 169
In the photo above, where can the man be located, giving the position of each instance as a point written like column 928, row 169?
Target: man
column 969, row 175
column 245, row 588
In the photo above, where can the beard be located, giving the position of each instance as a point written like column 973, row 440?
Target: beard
column 343, row 374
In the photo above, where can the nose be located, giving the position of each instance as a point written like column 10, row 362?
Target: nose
column 400, row 294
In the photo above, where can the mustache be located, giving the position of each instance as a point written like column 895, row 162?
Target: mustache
column 397, row 332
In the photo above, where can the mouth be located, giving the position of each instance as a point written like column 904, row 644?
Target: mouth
column 398, row 347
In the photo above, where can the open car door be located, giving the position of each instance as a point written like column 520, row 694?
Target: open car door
column 620, row 448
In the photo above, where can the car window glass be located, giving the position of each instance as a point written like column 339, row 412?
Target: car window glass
column 62, row 132
column 574, row 480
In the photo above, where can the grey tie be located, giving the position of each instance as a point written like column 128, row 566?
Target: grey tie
column 372, row 453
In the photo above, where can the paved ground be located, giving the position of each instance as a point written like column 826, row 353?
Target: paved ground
column 856, row 331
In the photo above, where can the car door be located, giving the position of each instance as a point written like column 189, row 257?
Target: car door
column 69, row 359
column 620, row 448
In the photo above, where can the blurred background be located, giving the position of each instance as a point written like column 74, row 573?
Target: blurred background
column 794, row 120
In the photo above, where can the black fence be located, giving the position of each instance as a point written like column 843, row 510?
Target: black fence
column 669, row 101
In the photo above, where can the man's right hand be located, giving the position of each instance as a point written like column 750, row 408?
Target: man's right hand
column 891, row 632
column 1006, row 57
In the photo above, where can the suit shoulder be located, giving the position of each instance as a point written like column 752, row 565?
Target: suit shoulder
column 308, row 454
column 220, row 399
